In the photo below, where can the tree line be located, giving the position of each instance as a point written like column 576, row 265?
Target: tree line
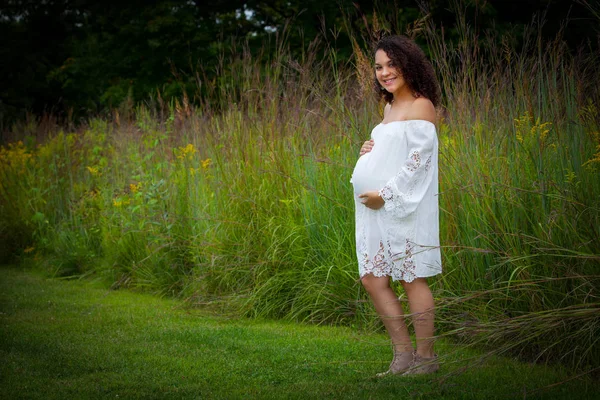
column 76, row 57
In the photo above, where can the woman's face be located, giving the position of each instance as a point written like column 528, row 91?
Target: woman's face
column 387, row 73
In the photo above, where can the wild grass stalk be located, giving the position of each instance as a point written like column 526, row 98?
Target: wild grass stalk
column 520, row 196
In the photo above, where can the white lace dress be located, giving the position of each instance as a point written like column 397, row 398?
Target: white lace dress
column 401, row 239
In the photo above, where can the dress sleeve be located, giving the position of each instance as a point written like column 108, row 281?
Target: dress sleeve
column 403, row 193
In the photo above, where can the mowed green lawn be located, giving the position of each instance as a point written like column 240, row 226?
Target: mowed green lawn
column 77, row 339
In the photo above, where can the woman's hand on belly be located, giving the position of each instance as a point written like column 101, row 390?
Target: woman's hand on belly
column 367, row 147
column 372, row 200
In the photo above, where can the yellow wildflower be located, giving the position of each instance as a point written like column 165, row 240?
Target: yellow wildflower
column 15, row 156
column 520, row 123
column 206, row 163
column 120, row 202
column 185, row 152
column 526, row 128
column 135, row 188
column 541, row 129
column 519, row 137
column 94, row 171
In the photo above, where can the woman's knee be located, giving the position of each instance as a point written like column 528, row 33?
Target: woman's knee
column 418, row 285
column 372, row 283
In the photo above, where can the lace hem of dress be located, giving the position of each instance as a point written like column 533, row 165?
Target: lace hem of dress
column 384, row 263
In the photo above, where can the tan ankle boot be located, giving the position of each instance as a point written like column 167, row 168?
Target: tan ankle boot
column 400, row 363
column 423, row 365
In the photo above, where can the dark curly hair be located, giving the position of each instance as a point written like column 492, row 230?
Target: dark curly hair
column 413, row 64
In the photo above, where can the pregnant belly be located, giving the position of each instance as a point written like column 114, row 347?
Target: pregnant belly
column 365, row 177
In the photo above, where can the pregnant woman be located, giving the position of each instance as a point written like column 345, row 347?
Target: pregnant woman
column 395, row 189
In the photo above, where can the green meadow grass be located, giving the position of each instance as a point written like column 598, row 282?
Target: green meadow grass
column 76, row 339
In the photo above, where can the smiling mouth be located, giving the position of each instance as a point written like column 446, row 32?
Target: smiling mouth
column 389, row 81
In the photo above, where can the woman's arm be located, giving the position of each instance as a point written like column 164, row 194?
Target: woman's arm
column 403, row 193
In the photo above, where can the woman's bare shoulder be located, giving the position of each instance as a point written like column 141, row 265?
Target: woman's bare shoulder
column 422, row 108
column 386, row 109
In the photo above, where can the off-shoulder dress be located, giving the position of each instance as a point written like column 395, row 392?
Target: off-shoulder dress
column 401, row 239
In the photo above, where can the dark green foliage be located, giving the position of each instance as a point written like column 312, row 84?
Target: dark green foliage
column 74, row 58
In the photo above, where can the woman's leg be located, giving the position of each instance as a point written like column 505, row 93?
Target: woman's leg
column 421, row 304
column 389, row 310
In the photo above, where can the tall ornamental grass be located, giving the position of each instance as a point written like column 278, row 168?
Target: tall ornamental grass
column 520, row 193
column 243, row 203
